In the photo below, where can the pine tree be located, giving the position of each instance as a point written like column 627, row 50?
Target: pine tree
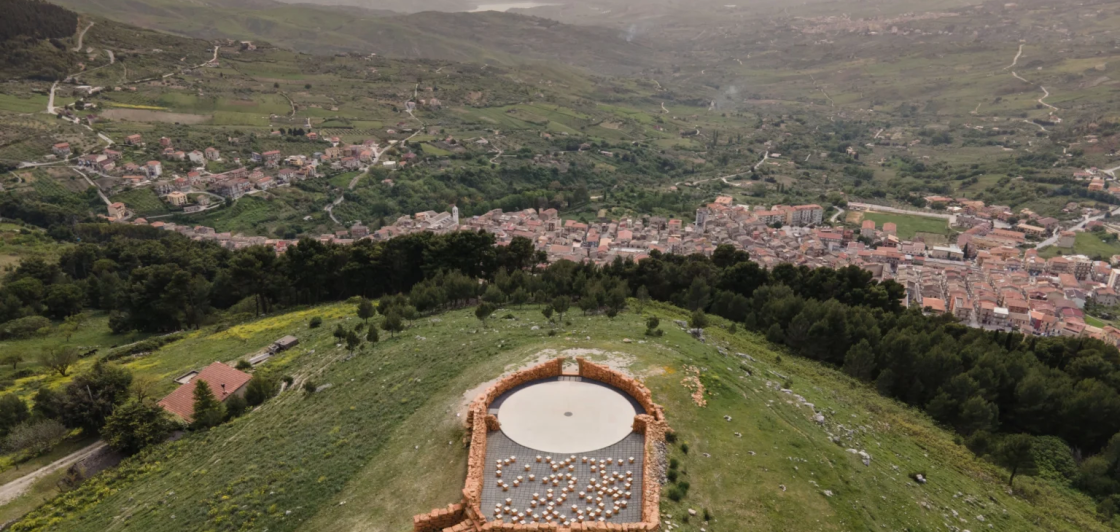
column 208, row 411
column 366, row 310
column 352, row 341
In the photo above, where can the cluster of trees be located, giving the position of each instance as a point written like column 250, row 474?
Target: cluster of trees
column 36, row 19
column 154, row 281
column 22, row 29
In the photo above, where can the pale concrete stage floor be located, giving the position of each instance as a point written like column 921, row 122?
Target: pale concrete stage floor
column 566, row 416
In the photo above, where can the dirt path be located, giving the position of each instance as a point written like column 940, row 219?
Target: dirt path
column 82, row 36
column 15, row 488
column 50, row 101
column 764, row 157
column 1016, row 60
column 1045, row 93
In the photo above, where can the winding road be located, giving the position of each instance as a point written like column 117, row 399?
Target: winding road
column 765, row 156
column 17, row 487
column 82, row 36
column 1081, row 225
column 1016, row 60
column 839, row 213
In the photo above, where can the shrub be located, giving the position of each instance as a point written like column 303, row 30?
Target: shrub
column 36, row 438
column 675, row 494
column 683, row 486
column 260, row 389
column 674, row 463
column 315, row 322
column 135, row 425
column 25, row 327
column 13, row 412
column 243, row 365
column 235, row 406
column 698, row 320
column 309, row 387
column 684, row 448
column 672, row 475
column 552, row 332
column 143, row 346
column 707, row 515
column 288, row 379
column 671, row 437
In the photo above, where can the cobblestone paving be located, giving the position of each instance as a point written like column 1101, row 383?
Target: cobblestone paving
column 520, row 496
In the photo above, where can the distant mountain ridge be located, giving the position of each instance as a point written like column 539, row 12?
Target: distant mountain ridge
column 487, row 37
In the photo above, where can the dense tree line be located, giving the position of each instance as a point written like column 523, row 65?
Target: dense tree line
column 154, row 281
column 36, row 19
column 985, row 385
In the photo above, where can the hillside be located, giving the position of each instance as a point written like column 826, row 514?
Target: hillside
column 31, row 39
column 489, row 37
column 381, row 439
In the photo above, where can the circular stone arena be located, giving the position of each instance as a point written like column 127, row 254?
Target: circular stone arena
column 566, row 453
column 557, row 451
column 567, row 415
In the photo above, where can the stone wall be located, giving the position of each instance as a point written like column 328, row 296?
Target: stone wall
column 438, row 520
column 467, row 516
column 636, row 389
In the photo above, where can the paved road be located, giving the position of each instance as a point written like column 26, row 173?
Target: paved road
column 26, row 164
column 353, row 183
column 839, row 213
column 1112, row 171
column 883, row 208
column 1081, row 225
column 92, row 184
column 15, row 488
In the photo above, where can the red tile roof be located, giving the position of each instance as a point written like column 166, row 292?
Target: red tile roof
column 181, row 401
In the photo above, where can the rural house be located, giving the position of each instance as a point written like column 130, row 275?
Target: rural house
column 223, row 380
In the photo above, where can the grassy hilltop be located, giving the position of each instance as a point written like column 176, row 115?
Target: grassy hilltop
column 384, row 440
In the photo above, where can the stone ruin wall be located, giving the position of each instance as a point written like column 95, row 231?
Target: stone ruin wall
column 467, row 516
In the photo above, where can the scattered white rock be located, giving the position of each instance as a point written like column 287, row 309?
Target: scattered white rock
column 827, row 493
column 727, row 418
column 691, row 511
column 535, row 328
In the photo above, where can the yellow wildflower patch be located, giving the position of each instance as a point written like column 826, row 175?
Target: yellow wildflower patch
column 285, row 321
